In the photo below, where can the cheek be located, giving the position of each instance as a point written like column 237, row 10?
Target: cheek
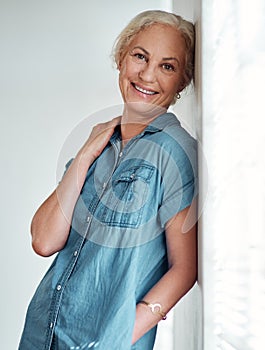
column 124, row 79
column 171, row 87
column 129, row 69
column 176, row 85
column 122, row 74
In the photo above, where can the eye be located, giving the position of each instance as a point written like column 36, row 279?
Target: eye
column 168, row 67
column 140, row 56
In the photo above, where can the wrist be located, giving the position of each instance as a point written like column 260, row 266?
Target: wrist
column 155, row 308
column 86, row 155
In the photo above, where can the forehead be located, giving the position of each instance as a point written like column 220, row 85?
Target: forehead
column 160, row 39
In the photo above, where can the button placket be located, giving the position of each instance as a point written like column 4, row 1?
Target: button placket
column 58, row 292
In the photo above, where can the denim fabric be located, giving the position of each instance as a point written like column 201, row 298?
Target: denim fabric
column 116, row 250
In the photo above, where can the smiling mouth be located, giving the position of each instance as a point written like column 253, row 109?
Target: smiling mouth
column 146, row 92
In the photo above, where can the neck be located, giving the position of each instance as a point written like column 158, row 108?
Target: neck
column 136, row 117
column 128, row 131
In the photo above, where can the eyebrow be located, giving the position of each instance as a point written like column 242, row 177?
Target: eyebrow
column 163, row 59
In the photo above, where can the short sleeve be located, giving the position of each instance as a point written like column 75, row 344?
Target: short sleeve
column 67, row 165
column 179, row 179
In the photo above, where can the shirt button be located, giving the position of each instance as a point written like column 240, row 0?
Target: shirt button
column 132, row 176
column 75, row 253
column 59, row 287
column 120, row 155
column 104, row 185
column 88, row 219
column 51, row 324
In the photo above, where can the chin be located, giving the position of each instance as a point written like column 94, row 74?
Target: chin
column 143, row 109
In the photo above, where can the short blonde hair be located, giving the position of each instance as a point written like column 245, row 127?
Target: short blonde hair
column 149, row 18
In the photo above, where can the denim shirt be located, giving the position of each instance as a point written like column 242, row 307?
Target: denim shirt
column 116, row 249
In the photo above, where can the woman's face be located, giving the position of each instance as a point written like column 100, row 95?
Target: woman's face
column 152, row 69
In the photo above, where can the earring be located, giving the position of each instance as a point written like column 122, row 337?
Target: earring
column 178, row 96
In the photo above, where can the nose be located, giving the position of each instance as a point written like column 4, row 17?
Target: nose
column 148, row 73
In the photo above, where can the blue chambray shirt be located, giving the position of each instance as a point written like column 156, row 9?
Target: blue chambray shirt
column 116, row 250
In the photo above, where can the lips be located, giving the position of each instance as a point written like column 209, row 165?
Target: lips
column 144, row 91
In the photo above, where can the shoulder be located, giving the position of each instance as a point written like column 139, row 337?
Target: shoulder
column 174, row 138
column 168, row 129
column 176, row 131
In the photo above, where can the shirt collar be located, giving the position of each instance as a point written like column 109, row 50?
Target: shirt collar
column 158, row 124
column 161, row 122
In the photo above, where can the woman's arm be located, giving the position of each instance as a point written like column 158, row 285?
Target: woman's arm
column 51, row 223
column 182, row 273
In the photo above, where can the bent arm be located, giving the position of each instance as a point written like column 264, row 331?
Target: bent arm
column 181, row 276
column 51, row 223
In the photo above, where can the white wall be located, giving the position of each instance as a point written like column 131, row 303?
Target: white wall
column 55, row 70
column 233, row 225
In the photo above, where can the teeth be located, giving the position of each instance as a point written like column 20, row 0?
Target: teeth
column 144, row 91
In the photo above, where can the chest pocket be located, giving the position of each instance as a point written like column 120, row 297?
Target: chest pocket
column 126, row 197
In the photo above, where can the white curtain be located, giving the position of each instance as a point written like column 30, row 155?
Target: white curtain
column 233, row 137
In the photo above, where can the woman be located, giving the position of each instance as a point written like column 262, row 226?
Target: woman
column 119, row 214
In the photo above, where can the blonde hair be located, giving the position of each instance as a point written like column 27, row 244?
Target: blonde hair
column 148, row 18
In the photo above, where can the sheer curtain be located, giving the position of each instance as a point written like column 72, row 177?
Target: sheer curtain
column 233, row 224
